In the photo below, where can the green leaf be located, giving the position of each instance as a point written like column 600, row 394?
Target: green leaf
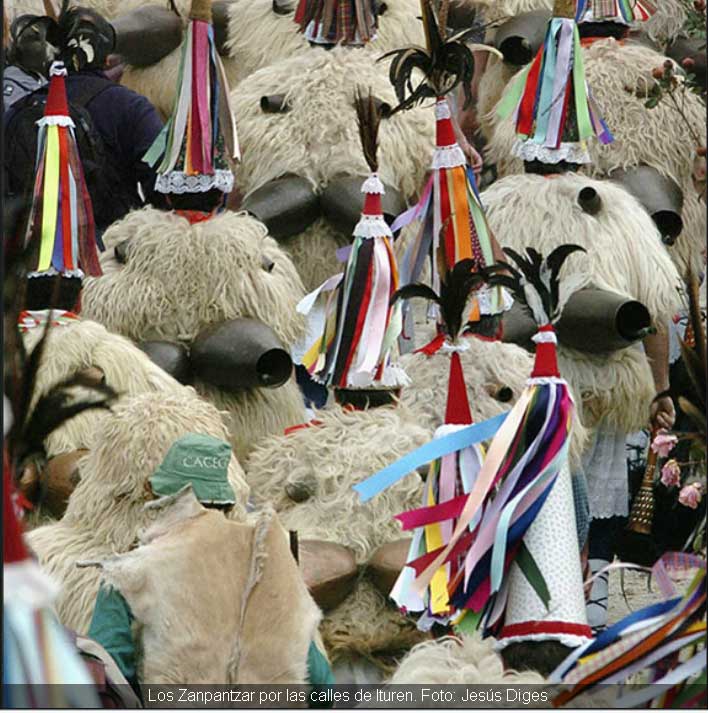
column 651, row 103
column 527, row 564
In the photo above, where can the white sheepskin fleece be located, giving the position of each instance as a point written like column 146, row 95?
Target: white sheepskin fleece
column 469, row 660
column 624, row 254
column 318, row 139
column 179, row 278
column 328, row 460
column 105, row 513
column 657, row 137
column 258, row 37
column 84, row 344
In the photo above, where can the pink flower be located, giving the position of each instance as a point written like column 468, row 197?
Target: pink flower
column 671, row 473
column 691, row 495
column 663, row 443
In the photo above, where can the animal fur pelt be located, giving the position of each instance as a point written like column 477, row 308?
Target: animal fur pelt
column 317, row 139
column 469, row 661
column 624, row 254
column 179, row 278
column 105, row 512
column 218, row 579
column 488, row 367
column 84, row 344
column 326, row 461
column 258, row 37
column 620, row 75
column 321, row 464
column 366, row 625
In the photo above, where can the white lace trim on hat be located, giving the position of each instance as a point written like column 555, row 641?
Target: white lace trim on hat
column 484, row 300
column 448, row 157
column 56, row 120
column 178, row 182
column 58, row 70
column 541, row 380
column 372, row 226
column 531, row 151
column 442, row 110
column 545, row 338
column 53, row 272
column 373, row 184
column 393, row 376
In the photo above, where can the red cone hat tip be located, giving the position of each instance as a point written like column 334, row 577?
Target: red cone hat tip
column 372, row 204
column 57, row 104
column 546, row 361
column 458, row 410
column 444, row 131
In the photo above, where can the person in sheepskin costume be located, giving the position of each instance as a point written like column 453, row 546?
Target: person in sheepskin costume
column 176, row 280
column 620, row 75
column 297, row 120
column 191, row 486
column 209, row 280
column 105, row 512
column 617, row 390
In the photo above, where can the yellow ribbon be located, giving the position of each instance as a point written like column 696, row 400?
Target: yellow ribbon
column 50, row 199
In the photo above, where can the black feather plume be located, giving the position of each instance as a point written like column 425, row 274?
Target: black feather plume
column 538, row 274
column 368, row 115
column 455, row 289
column 445, row 63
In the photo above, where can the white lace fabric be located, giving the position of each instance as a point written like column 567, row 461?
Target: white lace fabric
column 178, row 182
column 531, row 151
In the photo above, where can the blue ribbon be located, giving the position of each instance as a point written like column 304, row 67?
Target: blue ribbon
column 437, row 448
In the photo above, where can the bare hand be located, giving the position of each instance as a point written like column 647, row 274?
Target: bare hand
column 663, row 413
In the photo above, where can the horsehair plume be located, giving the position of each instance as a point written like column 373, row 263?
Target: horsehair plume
column 455, row 289
column 445, row 62
column 535, row 283
column 368, row 116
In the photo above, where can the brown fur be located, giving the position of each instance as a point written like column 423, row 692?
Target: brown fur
column 217, row 578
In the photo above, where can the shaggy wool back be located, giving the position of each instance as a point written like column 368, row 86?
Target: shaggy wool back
column 469, row 660
column 318, row 137
column 105, row 512
column 180, row 278
column 624, row 255
column 84, row 344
